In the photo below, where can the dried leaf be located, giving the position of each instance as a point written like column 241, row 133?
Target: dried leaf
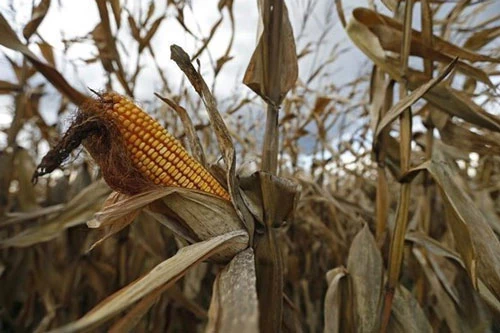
column 222, row 134
column 262, row 68
column 37, row 15
column 236, row 282
column 457, row 136
column 156, row 281
column 9, row 39
column 365, row 267
column 136, row 33
column 485, row 242
column 78, row 211
column 481, row 38
column 117, row 10
column 24, row 166
column 144, row 42
column 198, row 214
column 333, row 300
column 456, row 103
column 373, row 20
column 47, row 52
column 8, row 87
column 111, row 227
column 407, row 315
column 445, row 305
column 405, row 102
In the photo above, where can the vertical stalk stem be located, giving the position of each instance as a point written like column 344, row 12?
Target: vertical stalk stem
column 268, row 257
column 398, row 237
column 426, row 19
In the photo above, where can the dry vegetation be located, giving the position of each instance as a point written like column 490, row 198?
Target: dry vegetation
column 389, row 228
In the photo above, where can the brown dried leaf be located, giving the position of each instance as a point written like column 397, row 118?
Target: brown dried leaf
column 106, row 51
column 485, row 242
column 24, row 167
column 321, row 104
column 136, row 33
column 191, row 214
column 236, row 282
column 378, row 89
column 333, row 300
column 222, row 134
column 462, row 138
column 47, row 52
column 129, row 321
column 78, row 211
column 365, row 267
column 156, row 281
column 373, row 20
column 117, row 11
column 481, row 38
column 455, row 103
column 434, row 246
column 9, row 39
column 407, row 316
column 144, row 42
column 405, row 102
column 261, row 68
column 8, row 87
column 445, row 304
column 111, row 227
column 37, row 15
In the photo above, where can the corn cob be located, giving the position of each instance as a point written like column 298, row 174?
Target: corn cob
column 154, row 152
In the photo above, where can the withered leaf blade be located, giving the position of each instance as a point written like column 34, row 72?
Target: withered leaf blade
column 462, row 138
column 206, row 217
column 378, row 89
column 481, row 38
column 333, row 300
column 455, row 103
column 117, row 10
column 260, row 67
column 279, row 197
column 8, row 87
column 78, row 211
column 441, row 96
column 111, row 227
column 160, row 277
column 24, row 167
column 372, row 19
column 407, row 316
column 8, row 38
column 445, row 304
column 224, row 139
column 144, row 42
column 365, row 267
column 236, row 282
column 200, row 215
column 47, row 52
column 464, row 243
column 433, row 246
column 486, row 244
column 37, row 17
column 410, row 99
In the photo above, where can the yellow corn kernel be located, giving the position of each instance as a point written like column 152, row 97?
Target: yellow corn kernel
column 155, row 152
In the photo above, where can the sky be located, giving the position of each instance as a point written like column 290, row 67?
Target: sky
column 71, row 19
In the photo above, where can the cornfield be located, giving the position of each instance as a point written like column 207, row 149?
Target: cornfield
column 347, row 179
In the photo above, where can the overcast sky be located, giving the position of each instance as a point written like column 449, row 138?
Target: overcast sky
column 77, row 18
column 71, row 19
